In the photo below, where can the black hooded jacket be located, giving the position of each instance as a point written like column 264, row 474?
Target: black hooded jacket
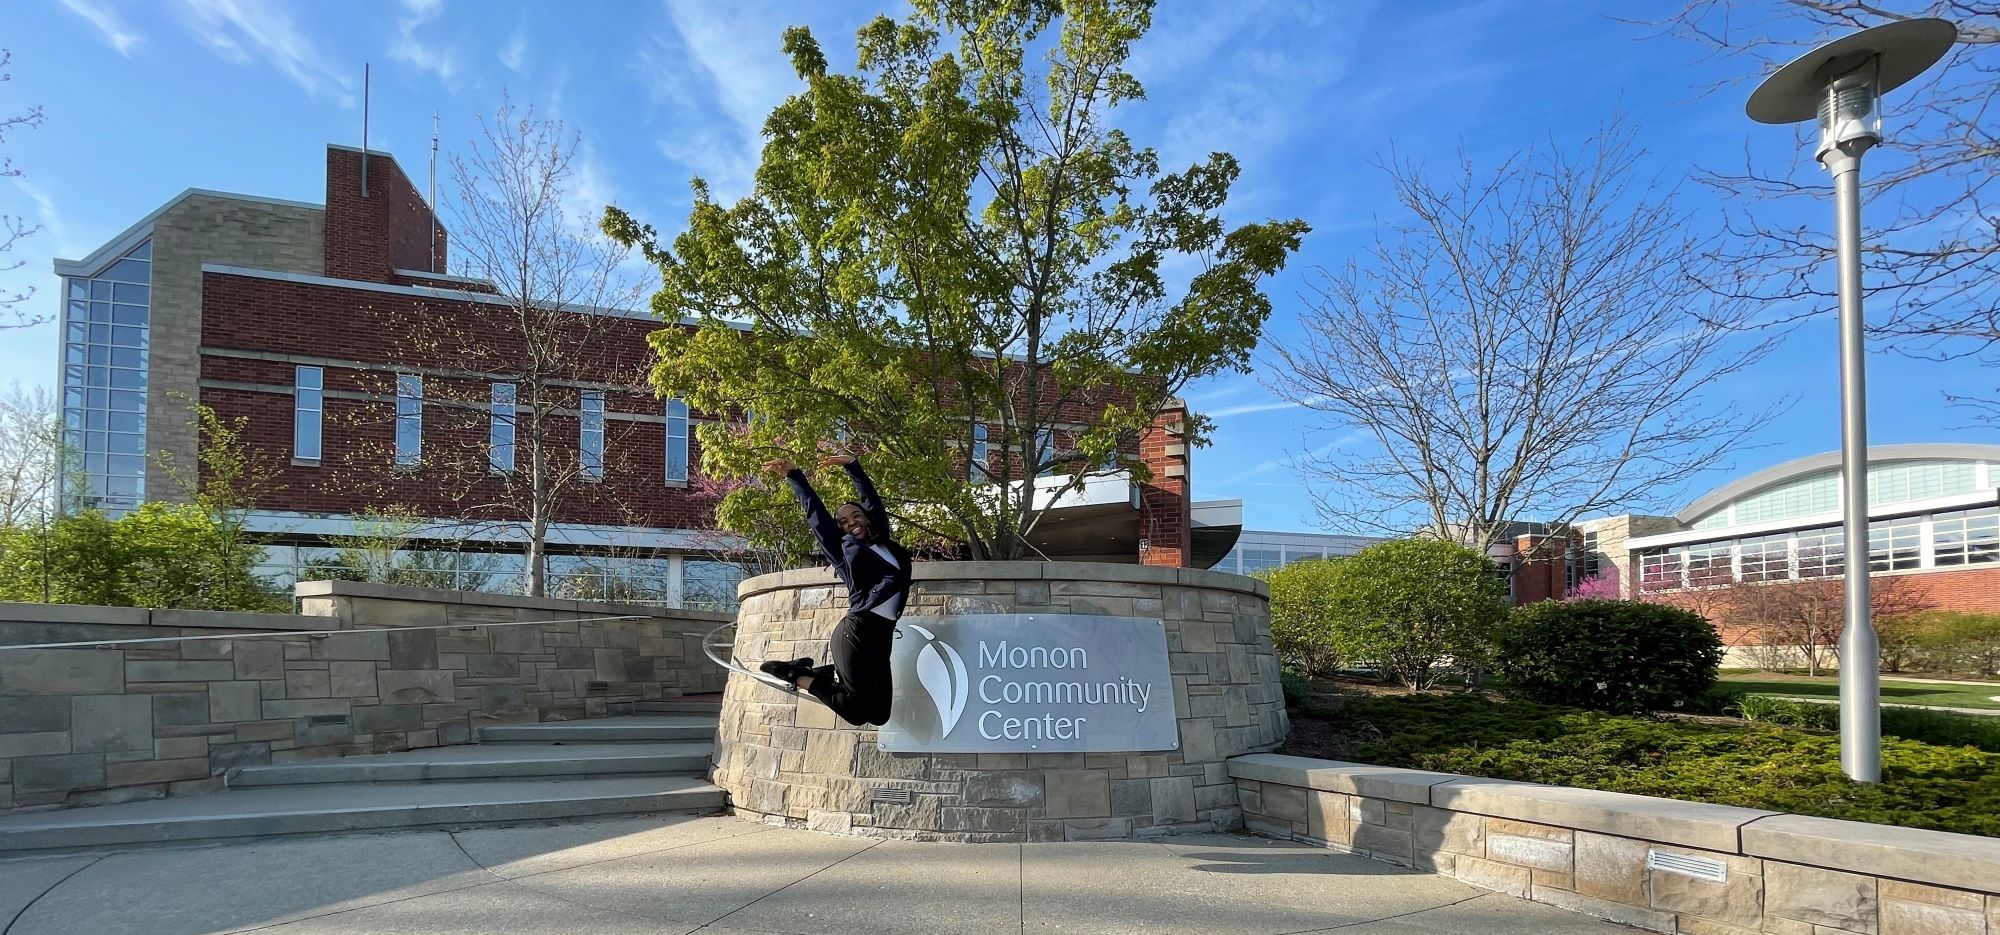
column 871, row 581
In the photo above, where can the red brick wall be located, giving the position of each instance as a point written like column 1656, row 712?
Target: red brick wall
column 1165, row 518
column 355, row 471
column 367, row 238
column 1542, row 569
column 1974, row 590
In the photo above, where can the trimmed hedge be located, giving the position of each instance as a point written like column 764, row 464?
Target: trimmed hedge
column 1626, row 657
column 1942, row 728
column 1755, row 766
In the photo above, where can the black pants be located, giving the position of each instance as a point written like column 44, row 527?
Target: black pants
column 857, row 685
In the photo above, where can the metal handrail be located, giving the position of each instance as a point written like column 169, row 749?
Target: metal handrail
column 265, row 633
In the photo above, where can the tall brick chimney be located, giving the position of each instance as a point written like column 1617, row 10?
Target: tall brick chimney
column 370, row 237
column 1165, row 510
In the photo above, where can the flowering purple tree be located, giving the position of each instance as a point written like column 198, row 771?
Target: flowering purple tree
column 1602, row 586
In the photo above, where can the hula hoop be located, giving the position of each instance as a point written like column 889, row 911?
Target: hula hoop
column 722, row 651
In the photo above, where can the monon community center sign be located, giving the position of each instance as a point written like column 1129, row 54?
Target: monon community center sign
column 1031, row 683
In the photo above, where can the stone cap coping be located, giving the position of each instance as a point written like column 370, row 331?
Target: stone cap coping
column 1024, row 571
column 1668, row 821
column 1377, row 782
column 93, row 615
column 397, row 592
column 1942, row 858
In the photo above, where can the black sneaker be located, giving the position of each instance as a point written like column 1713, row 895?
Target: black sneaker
column 780, row 669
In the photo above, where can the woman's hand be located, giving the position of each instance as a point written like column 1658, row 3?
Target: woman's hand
column 780, row 466
column 836, row 460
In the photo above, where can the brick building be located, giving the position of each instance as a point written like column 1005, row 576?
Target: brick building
column 1933, row 540
column 316, row 323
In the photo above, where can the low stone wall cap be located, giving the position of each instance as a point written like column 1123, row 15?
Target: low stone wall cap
column 1940, row 858
column 1380, row 782
column 1668, row 821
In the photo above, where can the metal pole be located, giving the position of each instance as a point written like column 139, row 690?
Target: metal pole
column 1860, row 683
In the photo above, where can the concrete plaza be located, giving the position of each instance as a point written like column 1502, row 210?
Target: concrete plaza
column 723, row 876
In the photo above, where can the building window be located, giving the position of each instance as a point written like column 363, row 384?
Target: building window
column 105, row 340
column 1895, row 546
column 709, row 585
column 1661, row 571
column 677, row 441
column 1822, row 554
column 1709, row 565
column 1970, row 537
column 590, row 434
column 1766, row 558
column 1918, row 480
column 980, row 471
column 308, row 412
column 1045, row 454
column 1255, row 560
column 500, row 430
column 409, row 420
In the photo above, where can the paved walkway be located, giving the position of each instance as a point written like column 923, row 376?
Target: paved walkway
column 723, row 876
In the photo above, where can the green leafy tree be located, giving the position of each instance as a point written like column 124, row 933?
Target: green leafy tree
column 159, row 555
column 1416, row 607
column 956, row 238
column 70, row 559
column 1302, row 619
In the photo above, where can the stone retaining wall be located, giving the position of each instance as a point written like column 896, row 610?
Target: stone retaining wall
column 1589, row 851
column 793, row 762
column 94, row 725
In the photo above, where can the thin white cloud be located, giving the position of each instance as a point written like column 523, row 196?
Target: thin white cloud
column 108, row 25
column 246, row 31
column 408, row 48
column 1267, row 406
column 514, row 54
column 46, row 216
column 716, row 71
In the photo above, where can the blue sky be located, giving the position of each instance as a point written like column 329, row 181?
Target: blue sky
column 146, row 98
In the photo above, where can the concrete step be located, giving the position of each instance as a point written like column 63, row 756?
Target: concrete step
column 489, row 762
column 678, row 707
column 334, row 807
column 644, row 727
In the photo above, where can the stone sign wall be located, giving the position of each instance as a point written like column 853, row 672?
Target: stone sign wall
column 1660, row 864
column 791, row 761
column 143, row 720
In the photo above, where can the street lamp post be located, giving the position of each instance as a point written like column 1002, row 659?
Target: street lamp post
column 1840, row 84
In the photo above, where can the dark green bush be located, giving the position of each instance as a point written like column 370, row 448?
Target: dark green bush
column 1297, row 689
column 1755, row 766
column 1415, row 608
column 1940, row 728
column 1625, row 657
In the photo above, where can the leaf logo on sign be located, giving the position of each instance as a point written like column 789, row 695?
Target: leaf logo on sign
column 943, row 676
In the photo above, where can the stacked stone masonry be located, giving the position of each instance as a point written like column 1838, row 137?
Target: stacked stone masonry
column 96, row 725
column 1589, row 851
column 792, row 762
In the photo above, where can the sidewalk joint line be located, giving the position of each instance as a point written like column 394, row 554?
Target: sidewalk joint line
column 4, row 929
column 876, row 844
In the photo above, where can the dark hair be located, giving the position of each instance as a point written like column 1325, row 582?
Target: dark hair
column 854, row 505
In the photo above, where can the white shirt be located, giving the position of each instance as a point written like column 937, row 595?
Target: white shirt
column 893, row 607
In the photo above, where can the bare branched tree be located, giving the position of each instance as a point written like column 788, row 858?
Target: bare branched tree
column 31, row 455
column 1531, row 344
column 1933, row 247
column 542, row 331
column 13, row 228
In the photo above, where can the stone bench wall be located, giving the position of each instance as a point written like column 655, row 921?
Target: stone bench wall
column 1588, row 851
column 793, row 762
column 95, row 725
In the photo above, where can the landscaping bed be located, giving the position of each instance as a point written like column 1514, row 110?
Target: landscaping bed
column 1762, row 766
column 1967, row 694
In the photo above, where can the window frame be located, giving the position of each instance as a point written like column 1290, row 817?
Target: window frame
column 301, row 392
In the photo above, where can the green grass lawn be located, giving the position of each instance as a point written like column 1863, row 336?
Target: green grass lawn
column 1970, row 695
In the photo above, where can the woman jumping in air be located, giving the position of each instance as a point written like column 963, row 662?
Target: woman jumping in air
column 876, row 570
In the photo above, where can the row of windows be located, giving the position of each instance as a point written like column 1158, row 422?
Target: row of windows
column 309, row 412
column 1818, row 493
column 1249, row 558
column 703, row 583
column 105, row 346
column 1942, row 540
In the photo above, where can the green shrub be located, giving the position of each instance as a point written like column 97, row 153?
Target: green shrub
column 1302, row 628
column 1411, row 605
column 1941, row 728
column 1763, row 766
column 1297, row 689
column 1625, row 657
column 159, row 555
column 1951, row 641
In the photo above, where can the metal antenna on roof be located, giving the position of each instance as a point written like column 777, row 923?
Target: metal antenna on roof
column 433, row 196
column 364, row 129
